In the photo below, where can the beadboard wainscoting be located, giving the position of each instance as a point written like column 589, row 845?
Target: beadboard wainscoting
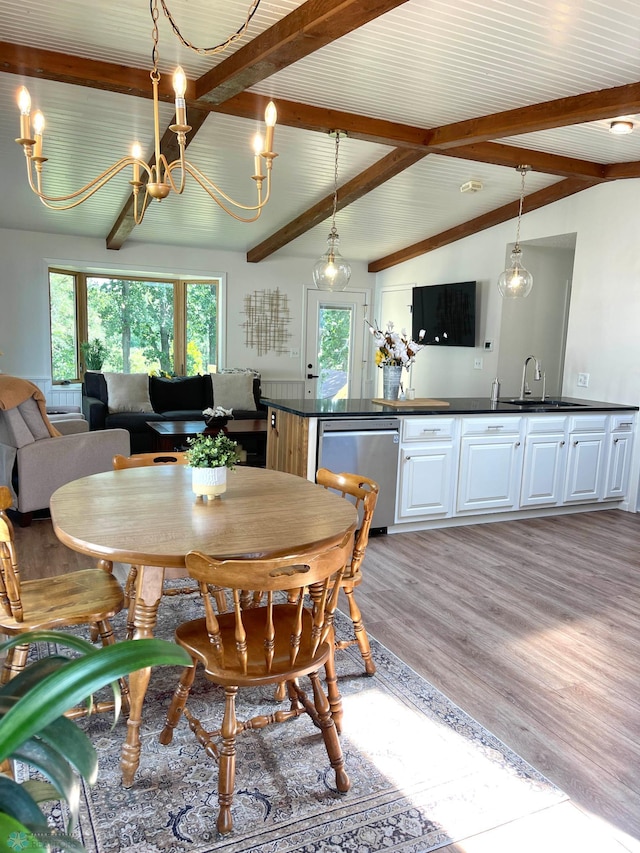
column 283, row 389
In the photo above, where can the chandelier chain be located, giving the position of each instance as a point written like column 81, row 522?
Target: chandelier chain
column 218, row 48
column 153, row 6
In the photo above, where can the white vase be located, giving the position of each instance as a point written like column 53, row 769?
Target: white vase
column 391, row 376
column 208, row 482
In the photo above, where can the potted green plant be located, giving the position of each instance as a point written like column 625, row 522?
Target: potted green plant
column 210, row 456
column 94, row 353
column 34, row 730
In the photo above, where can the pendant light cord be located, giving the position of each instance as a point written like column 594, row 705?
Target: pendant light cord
column 333, row 232
column 523, row 172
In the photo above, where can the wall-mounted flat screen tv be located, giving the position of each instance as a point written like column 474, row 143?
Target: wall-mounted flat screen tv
column 447, row 312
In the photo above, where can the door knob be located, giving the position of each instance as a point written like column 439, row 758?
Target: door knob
column 312, row 376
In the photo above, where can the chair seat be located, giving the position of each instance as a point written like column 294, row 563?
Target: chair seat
column 193, row 637
column 65, row 600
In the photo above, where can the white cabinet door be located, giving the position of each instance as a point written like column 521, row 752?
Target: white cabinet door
column 585, row 467
column 545, row 460
column 427, row 476
column 490, row 473
column 618, row 466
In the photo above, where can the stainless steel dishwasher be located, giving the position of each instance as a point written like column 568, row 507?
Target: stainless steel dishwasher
column 368, row 446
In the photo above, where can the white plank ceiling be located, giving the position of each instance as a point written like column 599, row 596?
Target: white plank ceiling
column 427, row 63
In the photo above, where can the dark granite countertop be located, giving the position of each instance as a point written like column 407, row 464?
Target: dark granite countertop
column 457, row 406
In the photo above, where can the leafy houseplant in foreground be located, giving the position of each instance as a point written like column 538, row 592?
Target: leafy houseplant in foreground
column 34, row 730
column 209, row 456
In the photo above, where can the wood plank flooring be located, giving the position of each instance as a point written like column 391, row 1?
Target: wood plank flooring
column 533, row 628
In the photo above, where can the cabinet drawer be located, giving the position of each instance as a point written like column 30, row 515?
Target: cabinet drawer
column 546, row 425
column 427, row 429
column 588, row 423
column 621, row 423
column 491, row 426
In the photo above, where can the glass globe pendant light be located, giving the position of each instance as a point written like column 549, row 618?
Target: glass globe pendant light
column 332, row 272
column 516, row 282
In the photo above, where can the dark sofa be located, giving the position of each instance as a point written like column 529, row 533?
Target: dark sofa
column 182, row 398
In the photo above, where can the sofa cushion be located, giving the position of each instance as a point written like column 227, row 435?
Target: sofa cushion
column 32, row 415
column 234, row 391
column 15, row 431
column 95, row 386
column 128, row 392
column 181, row 393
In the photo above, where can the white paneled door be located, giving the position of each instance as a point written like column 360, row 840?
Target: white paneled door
column 333, row 365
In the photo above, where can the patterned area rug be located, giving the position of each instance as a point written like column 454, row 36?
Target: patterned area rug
column 423, row 773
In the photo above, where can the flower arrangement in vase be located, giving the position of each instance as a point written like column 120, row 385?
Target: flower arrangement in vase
column 395, row 350
column 210, row 456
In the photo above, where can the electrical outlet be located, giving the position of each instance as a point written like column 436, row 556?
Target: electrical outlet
column 477, row 364
column 583, row 380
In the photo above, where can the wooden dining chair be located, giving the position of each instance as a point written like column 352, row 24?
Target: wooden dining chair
column 52, row 603
column 364, row 494
column 142, row 460
column 269, row 644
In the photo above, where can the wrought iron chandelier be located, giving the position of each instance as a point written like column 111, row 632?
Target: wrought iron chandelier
column 516, row 282
column 158, row 178
column 332, row 272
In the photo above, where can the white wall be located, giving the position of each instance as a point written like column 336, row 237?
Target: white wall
column 603, row 336
column 24, row 289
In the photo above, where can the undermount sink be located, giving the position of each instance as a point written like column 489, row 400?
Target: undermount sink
column 532, row 401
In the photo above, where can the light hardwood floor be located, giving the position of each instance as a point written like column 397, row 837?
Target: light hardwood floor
column 532, row 627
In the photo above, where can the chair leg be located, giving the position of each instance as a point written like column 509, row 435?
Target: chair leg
column 130, row 598
column 335, row 700
column 361, row 635
column 177, row 704
column 15, row 662
column 329, row 734
column 227, row 764
column 105, row 632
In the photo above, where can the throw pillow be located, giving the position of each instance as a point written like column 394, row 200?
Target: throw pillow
column 128, row 392
column 233, row 391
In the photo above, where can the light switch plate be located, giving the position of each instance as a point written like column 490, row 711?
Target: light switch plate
column 583, row 380
column 477, row 364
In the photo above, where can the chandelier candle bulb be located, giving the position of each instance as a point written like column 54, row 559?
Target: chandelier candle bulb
column 180, row 87
column 136, row 153
column 38, row 127
column 270, row 118
column 24, row 104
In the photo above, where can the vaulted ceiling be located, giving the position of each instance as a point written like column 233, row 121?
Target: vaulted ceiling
column 432, row 94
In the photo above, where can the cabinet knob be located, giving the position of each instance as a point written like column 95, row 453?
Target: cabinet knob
column 517, row 444
column 576, row 443
column 616, row 440
column 562, row 443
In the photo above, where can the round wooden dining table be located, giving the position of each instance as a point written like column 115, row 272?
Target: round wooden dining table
column 150, row 518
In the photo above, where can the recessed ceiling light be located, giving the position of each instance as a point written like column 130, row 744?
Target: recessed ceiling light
column 621, row 127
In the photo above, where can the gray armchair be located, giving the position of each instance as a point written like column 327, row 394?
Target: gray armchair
column 33, row 463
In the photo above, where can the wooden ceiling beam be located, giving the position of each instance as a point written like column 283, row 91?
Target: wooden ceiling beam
column 557, row 191
column 394, row 163
column 562, row 112
column 311, row 26
column 622, row 170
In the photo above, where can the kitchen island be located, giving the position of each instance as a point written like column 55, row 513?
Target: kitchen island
column 464, row 460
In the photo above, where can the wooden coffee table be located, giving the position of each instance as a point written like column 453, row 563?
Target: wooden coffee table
column 172, row 435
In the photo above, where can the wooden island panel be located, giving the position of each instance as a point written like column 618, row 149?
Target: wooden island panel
column 287, row 442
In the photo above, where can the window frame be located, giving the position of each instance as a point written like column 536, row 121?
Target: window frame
column 180, row 287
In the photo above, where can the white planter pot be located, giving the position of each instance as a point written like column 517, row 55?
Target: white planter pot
column 209, row 482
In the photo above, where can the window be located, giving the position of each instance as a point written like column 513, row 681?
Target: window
column 144, row 324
